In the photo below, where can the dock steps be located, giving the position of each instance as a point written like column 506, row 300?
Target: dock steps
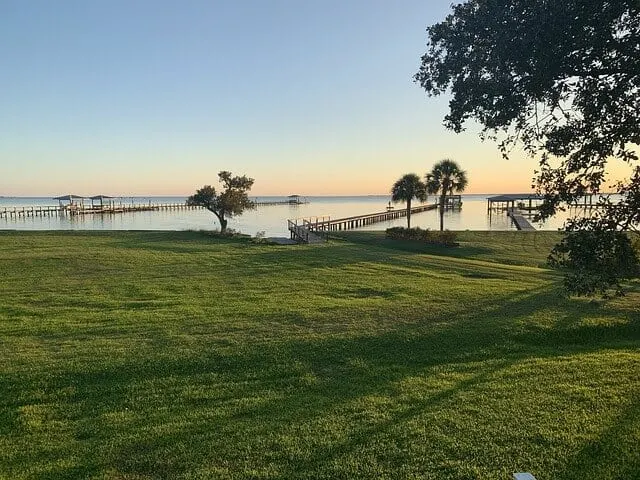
column 303, row 233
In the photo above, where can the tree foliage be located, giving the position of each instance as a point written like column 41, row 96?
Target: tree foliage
column 407, row 188
column 560, row 78
column 597, row 261
column 445, row 178
column 232, row 200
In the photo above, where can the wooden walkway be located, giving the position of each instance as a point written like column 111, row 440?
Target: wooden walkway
column 371, row 218
column 56, row 210
column 519, row 221
column 321, row 226
column 301, row 232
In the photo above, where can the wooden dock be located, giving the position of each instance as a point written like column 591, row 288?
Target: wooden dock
column 301, row 231
column 290, row 200
column 280, row 202
column 371, row 218
column 519, row 220
column 530, row 202
column 71, row 210
column 321, row 226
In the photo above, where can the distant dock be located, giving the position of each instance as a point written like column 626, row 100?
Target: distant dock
column 290, row 200
column 73, row 210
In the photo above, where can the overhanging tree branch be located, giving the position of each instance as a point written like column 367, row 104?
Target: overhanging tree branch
column 579, row 61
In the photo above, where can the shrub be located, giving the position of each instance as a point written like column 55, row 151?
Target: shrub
column 260, row 238
column 446, row 238
column 416, row 234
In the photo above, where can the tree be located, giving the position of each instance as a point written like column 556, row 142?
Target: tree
column 560, row 78
column 596, row 261
column 406, row 189
column 445, row 178
column 233, row 199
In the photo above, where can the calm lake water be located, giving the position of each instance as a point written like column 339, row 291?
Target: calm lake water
column 272, row 219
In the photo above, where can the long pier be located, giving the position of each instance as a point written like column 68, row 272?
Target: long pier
column 348, row 223
column 320, row 226
column 57, row 210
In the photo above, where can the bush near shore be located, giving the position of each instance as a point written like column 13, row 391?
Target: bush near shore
column 445, row 238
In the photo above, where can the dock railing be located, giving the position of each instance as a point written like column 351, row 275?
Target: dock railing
column 309, row 230
column 298, row 232
column 318, row 225
column 323, row 225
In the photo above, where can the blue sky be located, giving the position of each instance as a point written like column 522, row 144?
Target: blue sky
column 155, row 97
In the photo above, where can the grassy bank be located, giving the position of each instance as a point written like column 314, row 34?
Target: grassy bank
column 136, row 355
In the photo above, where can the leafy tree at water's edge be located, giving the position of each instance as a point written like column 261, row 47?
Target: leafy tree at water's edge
column 232, row 200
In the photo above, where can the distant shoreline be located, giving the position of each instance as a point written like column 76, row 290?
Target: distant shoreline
column 372, row 195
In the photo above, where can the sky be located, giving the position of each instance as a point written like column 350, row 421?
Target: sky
column 143, row 97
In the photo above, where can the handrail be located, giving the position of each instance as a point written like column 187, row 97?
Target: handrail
column 371, row 215
column 298, row 230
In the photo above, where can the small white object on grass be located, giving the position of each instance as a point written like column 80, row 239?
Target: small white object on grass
column 523, row 476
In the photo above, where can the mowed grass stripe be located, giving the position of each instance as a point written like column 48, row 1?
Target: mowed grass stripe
column 181, row 355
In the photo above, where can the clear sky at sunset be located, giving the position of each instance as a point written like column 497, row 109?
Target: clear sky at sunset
column 155, row 97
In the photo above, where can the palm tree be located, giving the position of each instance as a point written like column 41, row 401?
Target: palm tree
column 445, row 178
column 407, row 188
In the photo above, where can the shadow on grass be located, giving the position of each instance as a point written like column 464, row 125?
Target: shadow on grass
column 178, row 242
column 494, row 247
column 614, row 454
column 303, row 262
column 378, row 239
column 165, row 435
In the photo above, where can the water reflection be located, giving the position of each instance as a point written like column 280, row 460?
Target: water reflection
column 271, row 219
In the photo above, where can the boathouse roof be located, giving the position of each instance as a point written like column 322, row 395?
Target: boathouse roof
column 69, row 198
column 100, row 197
column 509, row 197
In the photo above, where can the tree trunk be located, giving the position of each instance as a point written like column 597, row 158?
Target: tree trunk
column 442, row 200
column 221, row 219
column 409, row 213
column 223, row 224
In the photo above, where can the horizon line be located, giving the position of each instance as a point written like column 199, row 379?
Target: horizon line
column 263, row 195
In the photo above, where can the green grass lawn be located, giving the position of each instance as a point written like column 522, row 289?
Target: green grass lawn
column 135, row 355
